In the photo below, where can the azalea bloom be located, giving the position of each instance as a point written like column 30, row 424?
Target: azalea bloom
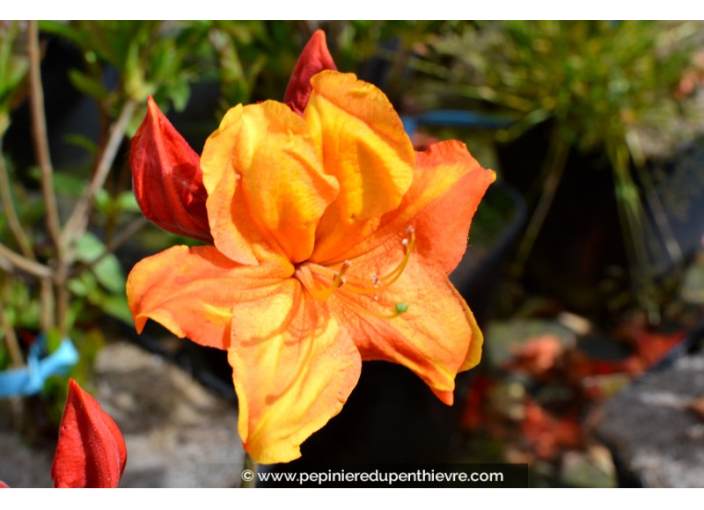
column 91, row 450
column 331, row 244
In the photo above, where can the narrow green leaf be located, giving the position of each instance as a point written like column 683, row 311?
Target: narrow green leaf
column 88, row 85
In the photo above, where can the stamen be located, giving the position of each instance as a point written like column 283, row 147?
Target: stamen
column 315, row 278
column 394, row 275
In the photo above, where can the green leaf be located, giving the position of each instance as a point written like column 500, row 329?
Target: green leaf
column 63, row 29
column 82, row 141
column 22, row 309
column 102, row 201
column 53, row 340
column 13, row 62
column 179, row 94
column 116, row 305
column 76, row 310
column 109, row 274
column 133, row 76
column 107, row 271
column 83, row 285
column 88, row 85
column 68, row 185
column 4, row 357
column 89, row 248
column 127, row 202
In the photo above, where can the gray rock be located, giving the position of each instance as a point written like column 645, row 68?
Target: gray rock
column 656, row 440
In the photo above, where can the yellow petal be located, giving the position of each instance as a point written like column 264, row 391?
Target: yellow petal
column 437, row 335
column 293, row 369
column 191, row 291
column 266, row 188
column 363, row 145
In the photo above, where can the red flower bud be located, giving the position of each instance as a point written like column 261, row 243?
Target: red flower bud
column 167, row 178
column 314, row 58
column 3, row 485
column 91, row 450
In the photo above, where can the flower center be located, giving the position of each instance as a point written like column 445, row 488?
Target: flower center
column 322, row 281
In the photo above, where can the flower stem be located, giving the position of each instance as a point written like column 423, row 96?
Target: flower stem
column 253, row 467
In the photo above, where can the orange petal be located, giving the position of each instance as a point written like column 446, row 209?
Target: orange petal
column 437, row 335
column 448, row 185
column 451, row 182
column 191, row 291
column 293, row 369
column 266, row 188
column 91, row 451
column 363, row 145
column 314, row 58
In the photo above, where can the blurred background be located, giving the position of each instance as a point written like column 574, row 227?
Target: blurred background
column 584, row 266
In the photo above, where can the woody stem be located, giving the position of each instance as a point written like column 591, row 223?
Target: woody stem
column 39, row 132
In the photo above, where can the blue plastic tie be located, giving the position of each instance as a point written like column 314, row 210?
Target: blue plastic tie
column 30, row 379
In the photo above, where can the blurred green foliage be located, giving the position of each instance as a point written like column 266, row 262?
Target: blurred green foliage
column 601, row 87
column 596, row 79
column 151, row 58
column 13, row 69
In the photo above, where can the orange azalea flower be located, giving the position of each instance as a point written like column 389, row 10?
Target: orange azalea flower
column 332, row 241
